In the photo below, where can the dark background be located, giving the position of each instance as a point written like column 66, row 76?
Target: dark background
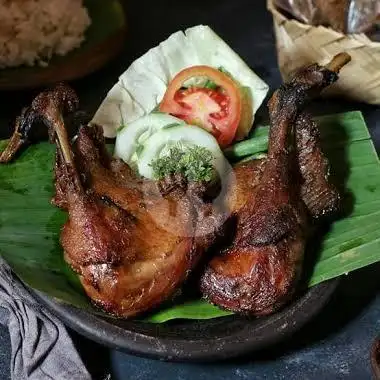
column 336, row 344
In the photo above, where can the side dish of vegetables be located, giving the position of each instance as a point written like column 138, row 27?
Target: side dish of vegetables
column 192, row 90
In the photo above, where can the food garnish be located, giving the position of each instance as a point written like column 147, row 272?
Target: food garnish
column 256, row 143
column 141, row 88
column 182, row 136
column 216, row 109
column 152, row 136
column 131, row 137
column 194, row 163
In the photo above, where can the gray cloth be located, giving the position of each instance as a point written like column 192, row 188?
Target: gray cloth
column 41, row 346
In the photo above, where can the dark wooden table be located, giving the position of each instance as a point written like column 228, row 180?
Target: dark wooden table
column 336, row 344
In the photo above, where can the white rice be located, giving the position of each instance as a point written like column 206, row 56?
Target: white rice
column 32, row 31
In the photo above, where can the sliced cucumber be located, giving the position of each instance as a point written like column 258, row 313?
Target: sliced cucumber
column 160, row 143
column 131, row 138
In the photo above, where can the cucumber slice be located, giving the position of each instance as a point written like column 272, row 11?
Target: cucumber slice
column 130, row 139
column 160, row 143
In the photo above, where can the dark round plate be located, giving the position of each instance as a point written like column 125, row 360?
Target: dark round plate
column 195, row 340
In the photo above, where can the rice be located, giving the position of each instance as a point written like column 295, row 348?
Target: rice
column 32, row 31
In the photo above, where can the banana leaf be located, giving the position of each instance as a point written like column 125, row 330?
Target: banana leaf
column 30, row 225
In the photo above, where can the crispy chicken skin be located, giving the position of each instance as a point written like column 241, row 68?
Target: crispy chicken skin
column 258, row 272
column 131, row 247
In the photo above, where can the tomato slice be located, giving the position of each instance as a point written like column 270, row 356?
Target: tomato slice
column 216, row 110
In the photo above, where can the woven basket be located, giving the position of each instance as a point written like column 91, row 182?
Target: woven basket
column 300, row 44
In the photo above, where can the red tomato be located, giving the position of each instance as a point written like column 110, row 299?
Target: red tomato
column 216, row 110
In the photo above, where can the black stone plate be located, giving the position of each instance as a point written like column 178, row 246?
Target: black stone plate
column 195, row 340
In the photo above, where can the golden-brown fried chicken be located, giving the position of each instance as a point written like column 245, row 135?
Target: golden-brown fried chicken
column 131, row 247
column 258, row 272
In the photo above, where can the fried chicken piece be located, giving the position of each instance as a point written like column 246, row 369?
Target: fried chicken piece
column 131, row 247
column 259, row 271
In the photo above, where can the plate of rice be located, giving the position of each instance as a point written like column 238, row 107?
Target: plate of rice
column 45, row 41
